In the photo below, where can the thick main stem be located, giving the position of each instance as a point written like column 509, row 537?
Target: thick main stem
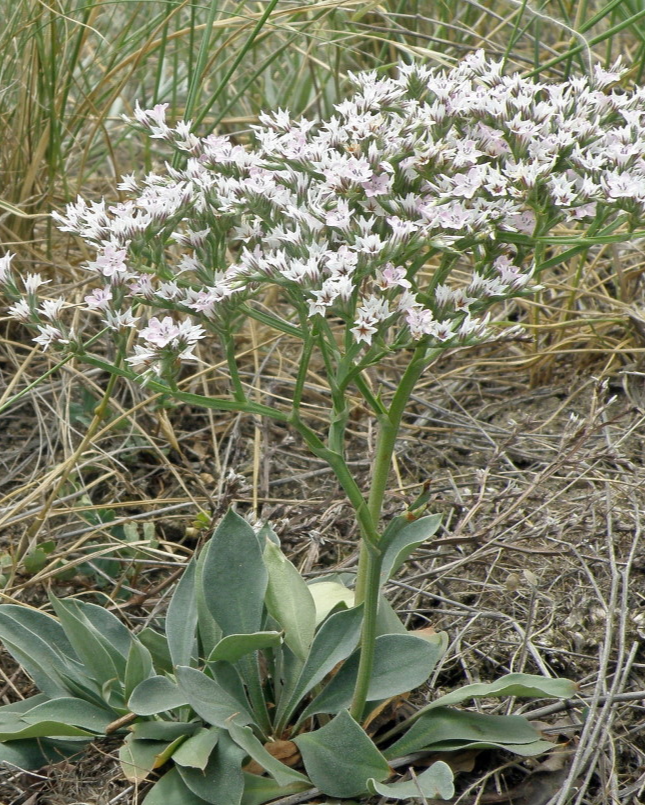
column 388, row 431
column 372, row 564
column 368, row 580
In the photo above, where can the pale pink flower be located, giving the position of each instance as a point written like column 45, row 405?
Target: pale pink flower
column 99, row 299
column 377, row 185
column 110, row 261
column 340, row 215
column 160, row 332
column 392, row 277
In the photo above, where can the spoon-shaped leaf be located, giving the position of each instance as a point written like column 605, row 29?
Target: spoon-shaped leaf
column 233, row 577
column 435, row 782
column 340, row 757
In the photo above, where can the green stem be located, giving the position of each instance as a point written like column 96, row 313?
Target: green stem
column 342, row 473
column 372, row 564
column 374, row 402
column 213, row 403
column 302, row 373
column 368, row 580
column 388, row 430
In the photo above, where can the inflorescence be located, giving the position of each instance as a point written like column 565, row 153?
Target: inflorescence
column 405, row 216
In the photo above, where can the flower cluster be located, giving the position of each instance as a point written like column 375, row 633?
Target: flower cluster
column 166, row 341
column 406, row 215
column 26, row 306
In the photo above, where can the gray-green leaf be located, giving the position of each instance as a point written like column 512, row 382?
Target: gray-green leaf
column 104, row 622
column 138, row 758
column 289, row 601
column 156, row 695
column 137, row 668
column 282, row 774
column 46, row 728
column 401, row 663
column 102, row 659
column 444, row 724
column 340, row 757
column 333, row 643
column 71, row 711
column 157, row 645
column 328, row 595
column 258, row 790
column 209, row 699
column 181, row 618
column 521, row 685
column 435, row 782
column 196, row 750
column 171, row 790
column 232, row 647
column 163, row 730
column 33, row 753
column 222, row 781
column 404, row 540
column 234, row 578
column 31, row 637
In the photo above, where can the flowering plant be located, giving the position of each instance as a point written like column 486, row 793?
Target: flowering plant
column 391, row 228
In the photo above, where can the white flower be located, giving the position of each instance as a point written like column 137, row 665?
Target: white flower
column 49, row 335
column 51, row 308
column 5, row 267
column 190, row 333
column 562, row 191
column 143, row 357
column 32, row 283
column 369, row 244
column 20, row 310
column 420, row 322
column 342, row 262
column 340, row 216
column 602, row 77
column 364, row 327
column 169, row 290
column 128, row 183
column 374, row 307
column 165, row 332
column 116, row 320
column 408, row 301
